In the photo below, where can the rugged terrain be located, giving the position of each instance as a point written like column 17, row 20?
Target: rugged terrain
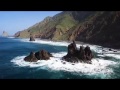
column 97, row 27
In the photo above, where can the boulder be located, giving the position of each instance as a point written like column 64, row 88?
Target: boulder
column 50, row 55
column 43, row 55
column 31, row 57
column 88, row 53
column 74, row 45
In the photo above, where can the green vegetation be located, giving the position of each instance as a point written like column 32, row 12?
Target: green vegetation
column 99, row 27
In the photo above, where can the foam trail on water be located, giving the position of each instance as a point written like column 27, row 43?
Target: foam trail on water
column 63, row 43
column 10, row 37
column 96, row 48
column 98, row 66
column 116, row 56
column 46, row 42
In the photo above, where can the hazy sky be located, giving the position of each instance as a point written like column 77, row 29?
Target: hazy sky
column 13, row 21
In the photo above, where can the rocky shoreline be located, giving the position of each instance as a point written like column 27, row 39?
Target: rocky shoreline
column 74, row 55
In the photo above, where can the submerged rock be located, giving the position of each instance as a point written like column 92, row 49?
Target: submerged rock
column 81, row 55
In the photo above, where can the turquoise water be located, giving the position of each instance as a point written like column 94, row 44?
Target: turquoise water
column 12, row 65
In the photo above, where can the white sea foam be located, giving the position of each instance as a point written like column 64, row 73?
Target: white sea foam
column 98, row 66
column 46, row 42
column 113, row 55
column 116, row 56
column 10, row 37
column 63, row 43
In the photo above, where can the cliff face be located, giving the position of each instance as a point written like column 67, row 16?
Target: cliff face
column 5, row 34
column 97, row 27
column 55, row 27
column 103, row 30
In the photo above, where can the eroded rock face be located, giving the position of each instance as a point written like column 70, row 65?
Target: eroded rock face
column 43, row 55
column 31, row 57
column 40, row 55
column 72, row 48
column 82, row 55
column 88, row 53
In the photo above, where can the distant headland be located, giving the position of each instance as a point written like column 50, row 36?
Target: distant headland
column 5, row 34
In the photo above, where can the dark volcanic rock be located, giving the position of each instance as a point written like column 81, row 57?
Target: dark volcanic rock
column 31, row 58
column 82, row 55
column 88, row 53
column 72, row 48
column 74, row 45
column 40, row 55
column 110, row 49
column 32, row 38
column 43, row 55
column 50, row 55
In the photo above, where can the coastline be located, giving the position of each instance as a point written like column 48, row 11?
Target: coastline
column 97, row 67
column 77, row 42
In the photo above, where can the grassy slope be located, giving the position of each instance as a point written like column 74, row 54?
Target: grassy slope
column 59, row 25
column 94, row 27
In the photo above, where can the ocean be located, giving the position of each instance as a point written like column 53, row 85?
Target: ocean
column 12, row 66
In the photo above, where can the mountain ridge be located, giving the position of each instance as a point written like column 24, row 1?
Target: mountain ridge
column 97, row 27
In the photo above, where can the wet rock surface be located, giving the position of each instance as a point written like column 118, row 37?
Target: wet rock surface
column 82, row 55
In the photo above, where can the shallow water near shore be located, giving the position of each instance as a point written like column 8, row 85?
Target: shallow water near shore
column 12, row 66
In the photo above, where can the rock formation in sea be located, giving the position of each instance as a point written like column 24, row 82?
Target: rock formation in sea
column 81, row 55
column 5, row 34
column 40, row 55
column 32, row 38
column 73, row 55
column 43, row 55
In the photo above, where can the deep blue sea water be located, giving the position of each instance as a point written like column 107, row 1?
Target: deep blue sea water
column 12, row 65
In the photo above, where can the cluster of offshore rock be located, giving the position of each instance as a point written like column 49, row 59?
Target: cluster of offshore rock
column 84, row 54
column 40, row 55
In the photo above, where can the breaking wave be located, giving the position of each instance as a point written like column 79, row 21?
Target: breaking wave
column 98, row 66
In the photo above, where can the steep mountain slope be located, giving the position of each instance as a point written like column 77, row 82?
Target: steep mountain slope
column 103, row 30
column 97, row 27
column 55, row 27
